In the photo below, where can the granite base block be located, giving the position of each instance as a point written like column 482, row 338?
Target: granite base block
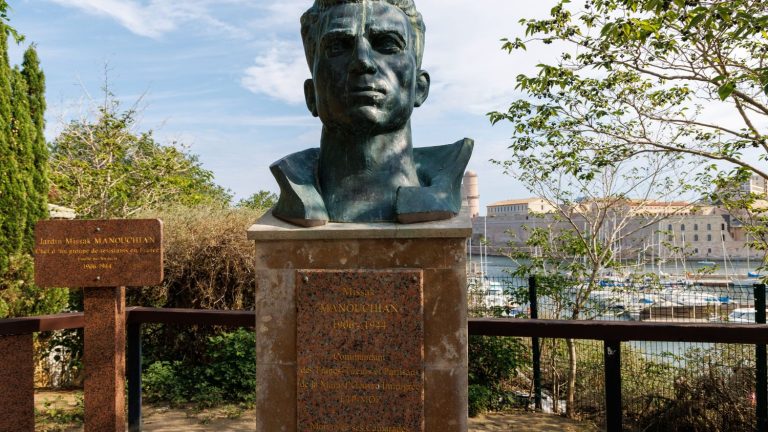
column 17, row 386
column 436, row 249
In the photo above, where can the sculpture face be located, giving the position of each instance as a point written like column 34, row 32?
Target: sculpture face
column 365, row 74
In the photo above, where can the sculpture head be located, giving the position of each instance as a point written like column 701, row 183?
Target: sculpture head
column 365, row 59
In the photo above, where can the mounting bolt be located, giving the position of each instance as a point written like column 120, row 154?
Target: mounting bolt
column 415, row 278
column 305, row 279
column 98, row 278
column 98, row 229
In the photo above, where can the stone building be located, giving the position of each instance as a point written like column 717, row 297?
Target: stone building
column 666, row 230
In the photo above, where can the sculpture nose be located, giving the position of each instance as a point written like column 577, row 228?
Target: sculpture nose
column 362, row 62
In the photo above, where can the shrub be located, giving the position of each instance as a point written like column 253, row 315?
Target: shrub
column 479, row 399
column 493, row 362
column 20, row 297
column 226, row 373
column 208, row 265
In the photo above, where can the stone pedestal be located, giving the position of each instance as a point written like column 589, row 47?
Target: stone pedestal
column 346, row 279
column 17, row 386
column 104, row 358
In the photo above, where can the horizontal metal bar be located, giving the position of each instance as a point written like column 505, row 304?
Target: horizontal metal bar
column 621, row 330
column 28, row 325
column 595, row 330
column 225, row 318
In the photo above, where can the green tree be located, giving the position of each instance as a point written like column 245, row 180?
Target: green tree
column 686, row 77
column 23, row 184
column 6, row 29
column 102, row 169
column 35, row 79
column 11, row 184
column 261, row 200
column 595, row 226
column 22, row 136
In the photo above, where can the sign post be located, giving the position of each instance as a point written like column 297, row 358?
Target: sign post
column 103, row 257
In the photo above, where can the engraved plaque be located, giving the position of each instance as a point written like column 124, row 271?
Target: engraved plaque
column 360, row 351
column 98, row 253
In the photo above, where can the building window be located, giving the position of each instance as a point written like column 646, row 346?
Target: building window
column 709, row 251
column 670, row 238
column 669, row 227
column 709, row 227
column 695, row 227
column 722, row 227
column 695, row 237
column 709, row 237
column 682, row 227
column 723, row 237
column 696, row 251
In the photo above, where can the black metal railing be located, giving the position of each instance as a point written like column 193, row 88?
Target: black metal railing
column 611, row 333
column 688, row 306
column 137, row 316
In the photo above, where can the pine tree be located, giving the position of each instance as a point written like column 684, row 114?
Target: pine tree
column 9, row 169
column 35, row 80
column 23, row 133
column 23, row 152
column 23, row 181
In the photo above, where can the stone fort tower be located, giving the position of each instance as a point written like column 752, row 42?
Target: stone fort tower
column 471, row 193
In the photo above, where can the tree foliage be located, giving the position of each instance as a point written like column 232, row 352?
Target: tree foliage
column 35, row 80
column 682, row 77
column 103, row 169
column 23, row 184
column 4, row 27
column 23, row 181
column 261, row 200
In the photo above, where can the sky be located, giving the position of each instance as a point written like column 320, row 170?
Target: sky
column 224, row 78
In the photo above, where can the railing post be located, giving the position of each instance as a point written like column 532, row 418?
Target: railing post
column 761, row 366
column 535, row 343
column 612, row 354
column 134, row 377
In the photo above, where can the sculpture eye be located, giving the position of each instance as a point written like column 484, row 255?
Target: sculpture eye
column 388, row 43
column 337, row 45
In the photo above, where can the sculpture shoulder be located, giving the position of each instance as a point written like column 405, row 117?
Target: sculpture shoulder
column 444, row 162
column 300, row 201
column 440, row 170
column 299, row 167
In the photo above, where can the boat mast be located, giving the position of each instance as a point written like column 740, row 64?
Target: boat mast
column 725, row 253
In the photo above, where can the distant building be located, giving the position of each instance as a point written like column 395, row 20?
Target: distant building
column 512, row 208
column 756, row 185
column 682, row 231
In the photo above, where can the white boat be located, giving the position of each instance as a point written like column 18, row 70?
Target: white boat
column 742, row 315
column 744, row 282
column 683, row 298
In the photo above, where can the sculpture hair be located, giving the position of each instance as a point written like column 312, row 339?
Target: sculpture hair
column 312, row 16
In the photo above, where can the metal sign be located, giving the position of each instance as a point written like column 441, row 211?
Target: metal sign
column 98, row 253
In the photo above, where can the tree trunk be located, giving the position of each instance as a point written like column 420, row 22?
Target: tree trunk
column 570, row 409
column 555, row 379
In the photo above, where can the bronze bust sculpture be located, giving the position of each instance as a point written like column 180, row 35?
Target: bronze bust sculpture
column 365, row 59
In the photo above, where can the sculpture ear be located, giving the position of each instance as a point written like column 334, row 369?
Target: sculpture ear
column 309, row 96
column 422, row 87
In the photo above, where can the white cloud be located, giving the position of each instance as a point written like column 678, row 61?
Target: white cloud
column 280, row 15
column 158, row 17
column 279, row 73
column 133, row 16
column 463, row 53
column 470, row 72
